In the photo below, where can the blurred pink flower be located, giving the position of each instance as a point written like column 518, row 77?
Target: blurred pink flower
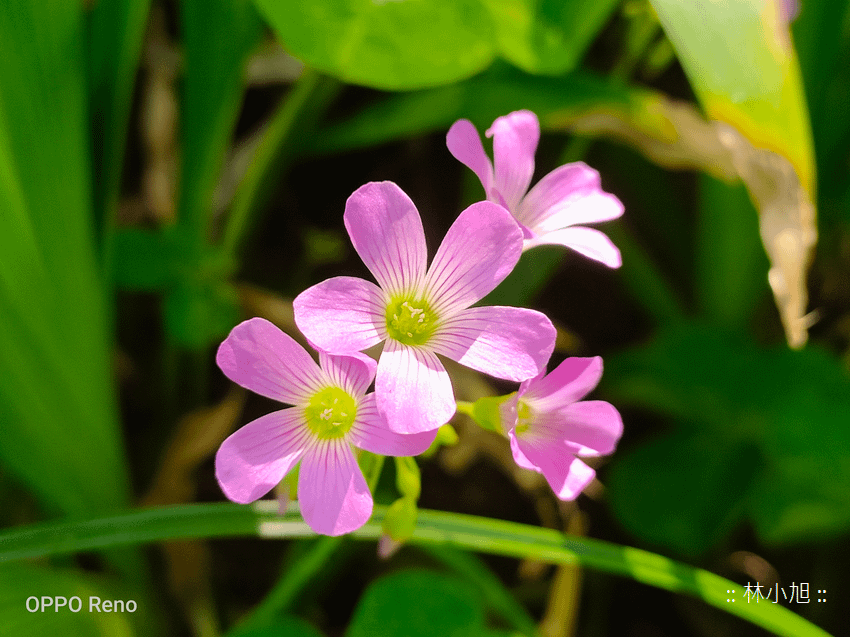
column 549, row 425
column 789, row 10
column 419, row 311
column 550, row 213
column 332, row 412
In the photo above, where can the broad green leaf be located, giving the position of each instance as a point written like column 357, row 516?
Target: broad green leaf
column 547, row 36
column 116, row 29
column 778, row 412
column 59, row 433
column 684, row 491
column 414, row 603
column 741, row 63
column 218, row 35
column 387, row 45
column 18, row 582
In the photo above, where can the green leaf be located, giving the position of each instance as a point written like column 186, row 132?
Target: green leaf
column 780, row 413
column 496, row 597
column 115, row 32
column 387, row 45
column 19, row 582
column 218, row 35
column 765, row 126
column 59, row 433
column 731, row 263
column 481, row 99
column 469, row 532
column 417, row 603
column 547, row 36
column 763, row 98
column 684, row 491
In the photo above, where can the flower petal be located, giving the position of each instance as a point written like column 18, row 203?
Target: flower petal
column 254, row 459
column 566, row 474
column 413, row 390
column 353, row 372
column 332, row 491
column 586, row 241
column 506, row 342
column 465, row 145
column 515, row 138
column 371, row 432
column 387, row 233
column 478, row 252
column 519, row 456
column 567, row 196
column 342, row 315
column 569, row 382
column 591, row 427
column 258, row 356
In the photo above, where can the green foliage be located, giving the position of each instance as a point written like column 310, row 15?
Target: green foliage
column 730, row 260
column 389, row 45
column 763, row 98
column 487, row 535
column 414, row 603
column 56, row 401
column 480, row 99
column 115, row 32
column 39, row 580
column 218, row 35
column 762, row 435
column 547, row 36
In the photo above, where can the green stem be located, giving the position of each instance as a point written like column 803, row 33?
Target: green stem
column 468, row 532
column 281, row 598
column 309, row 95
column 465, row 408
column 286, row 591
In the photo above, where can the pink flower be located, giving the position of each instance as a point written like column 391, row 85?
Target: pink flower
column 549, row 427
column 332, row 412
column 549, row 212
column 420, row 312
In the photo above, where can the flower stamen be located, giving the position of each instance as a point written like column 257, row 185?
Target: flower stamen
column 410, row 321
column 330, row 413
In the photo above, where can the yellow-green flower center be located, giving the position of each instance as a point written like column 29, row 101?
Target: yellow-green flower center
column 330, row 413
column 410, row 321
column 524, row 416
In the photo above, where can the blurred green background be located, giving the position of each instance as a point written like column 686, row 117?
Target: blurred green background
column 168, row 168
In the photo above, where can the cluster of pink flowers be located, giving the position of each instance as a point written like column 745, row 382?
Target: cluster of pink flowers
column 420, row 311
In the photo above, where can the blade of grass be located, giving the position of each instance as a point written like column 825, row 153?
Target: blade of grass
column 218, row 36
column 280, row 141
column 115, row 32
column 483, row 535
